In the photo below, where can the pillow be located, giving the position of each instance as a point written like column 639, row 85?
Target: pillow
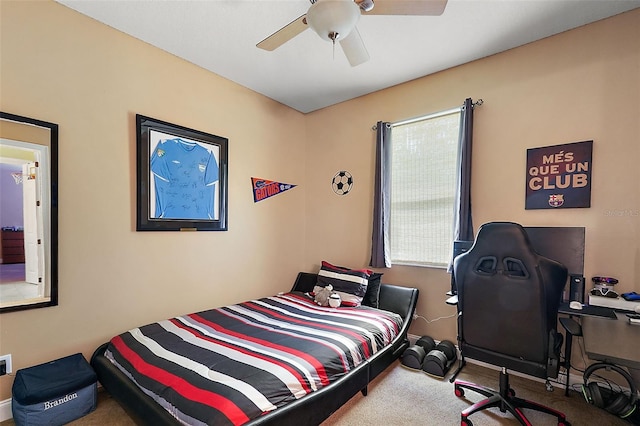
column 372, row 296
column 350, row 284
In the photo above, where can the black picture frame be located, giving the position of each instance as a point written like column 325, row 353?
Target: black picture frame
column 182, row 178
column 49, row 201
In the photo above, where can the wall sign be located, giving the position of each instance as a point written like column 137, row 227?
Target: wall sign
column 263, row 188
column 559, row 176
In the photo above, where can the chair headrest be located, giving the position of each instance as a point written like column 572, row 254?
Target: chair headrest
column 502, row 239
column 504, row 247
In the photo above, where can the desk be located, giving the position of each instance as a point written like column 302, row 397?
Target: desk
column 587, row 310
column 613, row 341
column 607, row 336
column 616, row 342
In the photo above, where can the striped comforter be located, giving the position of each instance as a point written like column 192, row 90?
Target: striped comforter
column 232, row 364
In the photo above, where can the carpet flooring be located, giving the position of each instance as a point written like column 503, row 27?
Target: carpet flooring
column 400, row 396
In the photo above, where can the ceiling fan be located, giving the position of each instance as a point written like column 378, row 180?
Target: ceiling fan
column 335, row 20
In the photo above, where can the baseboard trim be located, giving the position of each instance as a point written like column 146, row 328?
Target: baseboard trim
column 574, row 379
column 558, row 382
column 5, row 410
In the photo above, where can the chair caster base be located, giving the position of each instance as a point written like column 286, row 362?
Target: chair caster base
column 465, row 422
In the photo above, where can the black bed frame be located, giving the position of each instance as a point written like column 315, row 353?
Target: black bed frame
column 311, row 409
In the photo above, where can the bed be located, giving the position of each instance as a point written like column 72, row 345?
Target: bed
column 315, row 393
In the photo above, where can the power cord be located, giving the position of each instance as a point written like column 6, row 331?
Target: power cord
column 428, row 321
column 608, row 383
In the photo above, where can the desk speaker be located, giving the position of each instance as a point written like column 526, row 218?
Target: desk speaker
column 576, row 288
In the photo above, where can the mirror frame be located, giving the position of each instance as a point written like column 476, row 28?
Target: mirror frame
column 53, row 215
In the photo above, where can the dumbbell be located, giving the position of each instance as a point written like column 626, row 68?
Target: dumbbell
column 438, row 360
column 427, row 343
column 449, row 349
column 413, row 356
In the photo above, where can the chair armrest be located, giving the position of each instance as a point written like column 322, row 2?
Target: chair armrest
column 571, row 326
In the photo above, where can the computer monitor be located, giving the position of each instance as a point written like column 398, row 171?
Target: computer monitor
column 560, row 243
column 564, row 244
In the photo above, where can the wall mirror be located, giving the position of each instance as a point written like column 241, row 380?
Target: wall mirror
column 28, row 213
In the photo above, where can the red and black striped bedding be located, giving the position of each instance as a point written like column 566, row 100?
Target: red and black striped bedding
column 232, row 364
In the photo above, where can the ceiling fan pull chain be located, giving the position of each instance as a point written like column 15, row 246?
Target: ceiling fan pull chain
column 334, row 49
column 333, row 36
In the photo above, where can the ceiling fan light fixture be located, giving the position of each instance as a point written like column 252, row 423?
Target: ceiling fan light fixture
column 333, row 19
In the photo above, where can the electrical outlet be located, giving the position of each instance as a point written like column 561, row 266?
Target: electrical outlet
column 6, row 368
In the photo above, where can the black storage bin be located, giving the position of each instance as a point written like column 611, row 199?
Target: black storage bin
column 54, row 393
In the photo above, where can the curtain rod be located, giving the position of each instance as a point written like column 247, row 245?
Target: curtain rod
column 428, row 116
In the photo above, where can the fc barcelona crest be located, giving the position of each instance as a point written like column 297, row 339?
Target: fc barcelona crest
column 556, row 200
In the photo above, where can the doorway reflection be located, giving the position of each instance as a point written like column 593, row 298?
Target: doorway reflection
column 13, row 285
column 22, row 245
column 13, row 288
column 31, row 145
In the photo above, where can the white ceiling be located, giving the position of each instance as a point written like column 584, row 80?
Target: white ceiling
column 221, row 36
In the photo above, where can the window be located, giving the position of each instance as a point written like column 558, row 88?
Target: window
column 423, row 186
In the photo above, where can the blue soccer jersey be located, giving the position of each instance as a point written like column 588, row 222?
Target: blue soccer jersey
column 184, row 175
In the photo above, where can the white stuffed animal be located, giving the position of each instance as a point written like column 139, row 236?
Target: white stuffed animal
column 322, row 295
column 335, row 300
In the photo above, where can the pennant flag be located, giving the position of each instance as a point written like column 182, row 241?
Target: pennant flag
column 263, row 188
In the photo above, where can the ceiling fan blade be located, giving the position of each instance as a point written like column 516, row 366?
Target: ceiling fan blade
column 407, row 7
column 354, row 48
column 284, row 34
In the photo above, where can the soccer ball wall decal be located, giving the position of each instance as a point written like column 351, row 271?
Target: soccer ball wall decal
column 342, row 182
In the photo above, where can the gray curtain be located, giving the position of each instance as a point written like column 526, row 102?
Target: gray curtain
column 380, row 249
column 463, row 225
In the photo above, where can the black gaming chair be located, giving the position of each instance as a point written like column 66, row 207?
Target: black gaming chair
column 508, row 298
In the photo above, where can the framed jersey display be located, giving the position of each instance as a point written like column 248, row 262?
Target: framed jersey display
column 182, row 178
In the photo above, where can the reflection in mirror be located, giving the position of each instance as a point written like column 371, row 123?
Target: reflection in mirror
column 28, row 213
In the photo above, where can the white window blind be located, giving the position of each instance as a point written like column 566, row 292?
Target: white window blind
column 423, row 185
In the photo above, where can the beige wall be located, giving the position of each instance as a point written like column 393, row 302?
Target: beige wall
column 62, row 67
column 580, row 85
column 59, row 66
